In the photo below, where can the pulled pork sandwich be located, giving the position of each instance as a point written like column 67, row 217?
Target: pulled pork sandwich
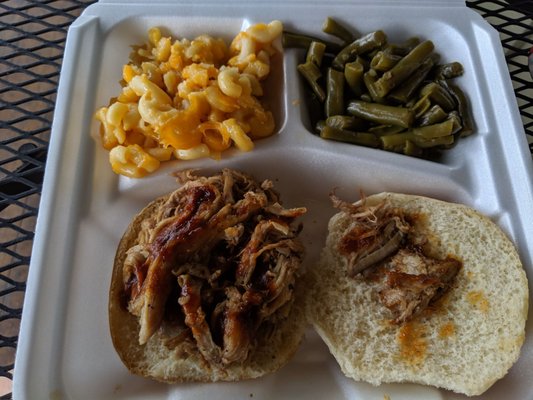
column 205, row 282
column 413, row 289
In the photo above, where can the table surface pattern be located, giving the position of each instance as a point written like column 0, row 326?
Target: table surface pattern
column 32, row 40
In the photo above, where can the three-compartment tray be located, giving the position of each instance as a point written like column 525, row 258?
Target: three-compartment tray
column 65, row 350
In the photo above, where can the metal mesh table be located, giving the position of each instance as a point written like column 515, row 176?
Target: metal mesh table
column 32, row 38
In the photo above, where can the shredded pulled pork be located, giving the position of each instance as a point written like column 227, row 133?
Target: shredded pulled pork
column 380, row 244
column 228, row 250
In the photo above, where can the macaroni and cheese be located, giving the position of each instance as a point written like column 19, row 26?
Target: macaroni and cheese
column 187, row 99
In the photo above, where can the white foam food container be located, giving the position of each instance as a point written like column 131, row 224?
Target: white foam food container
column 65, row 349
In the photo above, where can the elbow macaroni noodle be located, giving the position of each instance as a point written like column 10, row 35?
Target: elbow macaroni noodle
column 187, row 99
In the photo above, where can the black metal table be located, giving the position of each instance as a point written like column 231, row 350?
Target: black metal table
column 32, row 39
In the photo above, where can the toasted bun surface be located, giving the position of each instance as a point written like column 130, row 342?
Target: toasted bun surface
column 465, row 343
column 168, row 362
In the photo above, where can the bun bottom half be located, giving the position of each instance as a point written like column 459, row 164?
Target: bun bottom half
column 465, row 343
column 169, row 362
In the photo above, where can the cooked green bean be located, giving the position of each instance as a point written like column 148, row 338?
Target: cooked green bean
column 411, row 149
column 432, row 116
column 381, row 130
column 439, row 141
column 456, row 120
column 369, row 79
column 346, row 122
column 404, row 48
column 421, row 106
column 410, row 44
column 403, row 92
column 332, row 27
column 334, row 104
column 383, row 61
column 434, row 131
column 398, row 96
column 361, row 138
column 395, row 142
column 359, row 46
column 448, row 71
column 290, row 39
column 319, row 126
column 381, row 113
column 438, row 94
column 315, row 53
column 424, row 137
column 462, row 107
column 405, row 67
column 363, row 61
column 391, row 142
column 312, row 74
column 366, row 97
column 353, row 73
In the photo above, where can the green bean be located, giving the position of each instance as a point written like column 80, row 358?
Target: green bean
column 421, row 106
column 462, row 107
column 382, row 130
column 424, row 137
column 290, row 39
column 369, row 78
column 332, row 27
column 432, row 116
column 312, row 74
column 359, row 46
column 363, row 61
column 448, row 71
column 391, row 142
column 361, row 138
column 381, row 113
column 315, row 53
column 405, row 67
column 334, row 104
column 319, row 126
column 398, row 95
column 394, row 142
column 439, row 141
column 403, row 92
column 410, row 44
column 383, row 61
column 346, row 122
column 434, row 131
column 456, row 120
column 404, row 48
column 439, row 95
column 411, row 149
column 366, row 97
column 353, row 73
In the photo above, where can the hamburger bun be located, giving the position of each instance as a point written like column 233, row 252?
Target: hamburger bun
column 171, row 353
column 464, row 342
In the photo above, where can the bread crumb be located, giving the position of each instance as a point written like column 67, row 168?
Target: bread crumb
column 296, row 102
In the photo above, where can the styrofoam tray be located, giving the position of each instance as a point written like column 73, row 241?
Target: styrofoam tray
column 65, row 349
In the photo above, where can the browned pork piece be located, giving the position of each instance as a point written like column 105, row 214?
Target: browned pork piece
column 381, row 244
column 223, row 252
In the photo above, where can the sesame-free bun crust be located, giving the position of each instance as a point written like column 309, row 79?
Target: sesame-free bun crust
column 465, row 343
column 183, row 362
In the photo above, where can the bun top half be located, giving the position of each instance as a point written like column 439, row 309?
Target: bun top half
column 464, row 342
